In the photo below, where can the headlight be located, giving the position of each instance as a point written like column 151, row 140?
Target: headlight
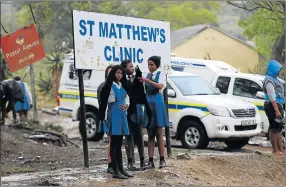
column 219, row 111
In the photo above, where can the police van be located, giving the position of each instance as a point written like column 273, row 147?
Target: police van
column 198, row 113
column 229, row 80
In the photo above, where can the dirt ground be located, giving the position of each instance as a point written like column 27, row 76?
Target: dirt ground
column 251, row 170
column 36, row 163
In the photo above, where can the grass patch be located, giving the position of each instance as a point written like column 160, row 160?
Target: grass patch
column 37, row 126
column 18, row 169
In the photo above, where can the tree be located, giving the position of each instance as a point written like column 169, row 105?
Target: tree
column 55, row 66
column 45, row 85
column 179, row 14
column 55, row 20
column 4, row 70
column 265, row 26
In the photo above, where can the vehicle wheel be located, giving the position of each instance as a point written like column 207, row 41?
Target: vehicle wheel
column 236, row 144
column 91, row 127
column 193, row 135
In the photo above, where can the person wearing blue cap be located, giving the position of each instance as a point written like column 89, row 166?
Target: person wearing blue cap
column 274, row 101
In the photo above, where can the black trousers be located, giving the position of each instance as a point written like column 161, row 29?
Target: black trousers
column 270, row 113
column 116, row 153
column 135, row 138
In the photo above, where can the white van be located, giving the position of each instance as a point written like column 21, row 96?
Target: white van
column 229, row 81
column 198, row 113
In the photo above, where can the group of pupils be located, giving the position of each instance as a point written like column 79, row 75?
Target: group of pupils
column 128, row 102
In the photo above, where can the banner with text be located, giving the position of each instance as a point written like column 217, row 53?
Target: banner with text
column 22, row 48
column 102, row 39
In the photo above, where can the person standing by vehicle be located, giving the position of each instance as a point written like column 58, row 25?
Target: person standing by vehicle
column 114, row 95
column 135, row 90
column 23, row 107
column 107, row 70
column 155, row 83
column 275, row 98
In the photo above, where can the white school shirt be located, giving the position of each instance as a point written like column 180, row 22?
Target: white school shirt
column 111, row 98
column 134, row 73
column 162, row 79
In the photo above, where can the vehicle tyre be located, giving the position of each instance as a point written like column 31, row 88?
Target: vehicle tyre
column 236, row 144
column 91, row 127
column 193, row 135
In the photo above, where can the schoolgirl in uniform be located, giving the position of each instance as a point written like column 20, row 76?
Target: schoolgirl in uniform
column 155, row 82
column 114, row 97
column 107, row 71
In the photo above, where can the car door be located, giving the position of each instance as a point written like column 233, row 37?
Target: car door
column 246, row 89
column 171, row 107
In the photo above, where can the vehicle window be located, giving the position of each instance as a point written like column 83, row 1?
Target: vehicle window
column 222, row 84
column 193, row 85
column 74, row 75
column 246, row 88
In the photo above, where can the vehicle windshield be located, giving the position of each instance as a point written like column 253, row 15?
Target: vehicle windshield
column 193, row 85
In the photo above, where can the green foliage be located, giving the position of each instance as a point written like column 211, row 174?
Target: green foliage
column 55, row 20
column 4, row 70
column 49, row 85
column 45, row 84
column 179, row 14
column 54, row 61
column 263, row 27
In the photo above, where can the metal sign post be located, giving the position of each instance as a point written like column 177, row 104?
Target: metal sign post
column 167, row 129
column 33, row 92
column 82, row 123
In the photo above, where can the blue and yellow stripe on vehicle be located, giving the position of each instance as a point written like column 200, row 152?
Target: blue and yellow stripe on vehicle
column 177, row 106
column 73, row 96
column 260, row 106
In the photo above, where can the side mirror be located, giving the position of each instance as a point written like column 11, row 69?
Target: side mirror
column 260, row 95
column 171, row 93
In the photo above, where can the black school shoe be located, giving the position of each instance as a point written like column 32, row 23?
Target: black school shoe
column 109, row 170
column 162, row 164
column 124, row 172
column 151, row 165
column 143, row 166
column 131, row 167
column 119, row 176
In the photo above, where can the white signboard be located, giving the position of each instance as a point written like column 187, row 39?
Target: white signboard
column 102, row 39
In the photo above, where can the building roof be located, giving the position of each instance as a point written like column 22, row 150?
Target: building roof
column 180, row 36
